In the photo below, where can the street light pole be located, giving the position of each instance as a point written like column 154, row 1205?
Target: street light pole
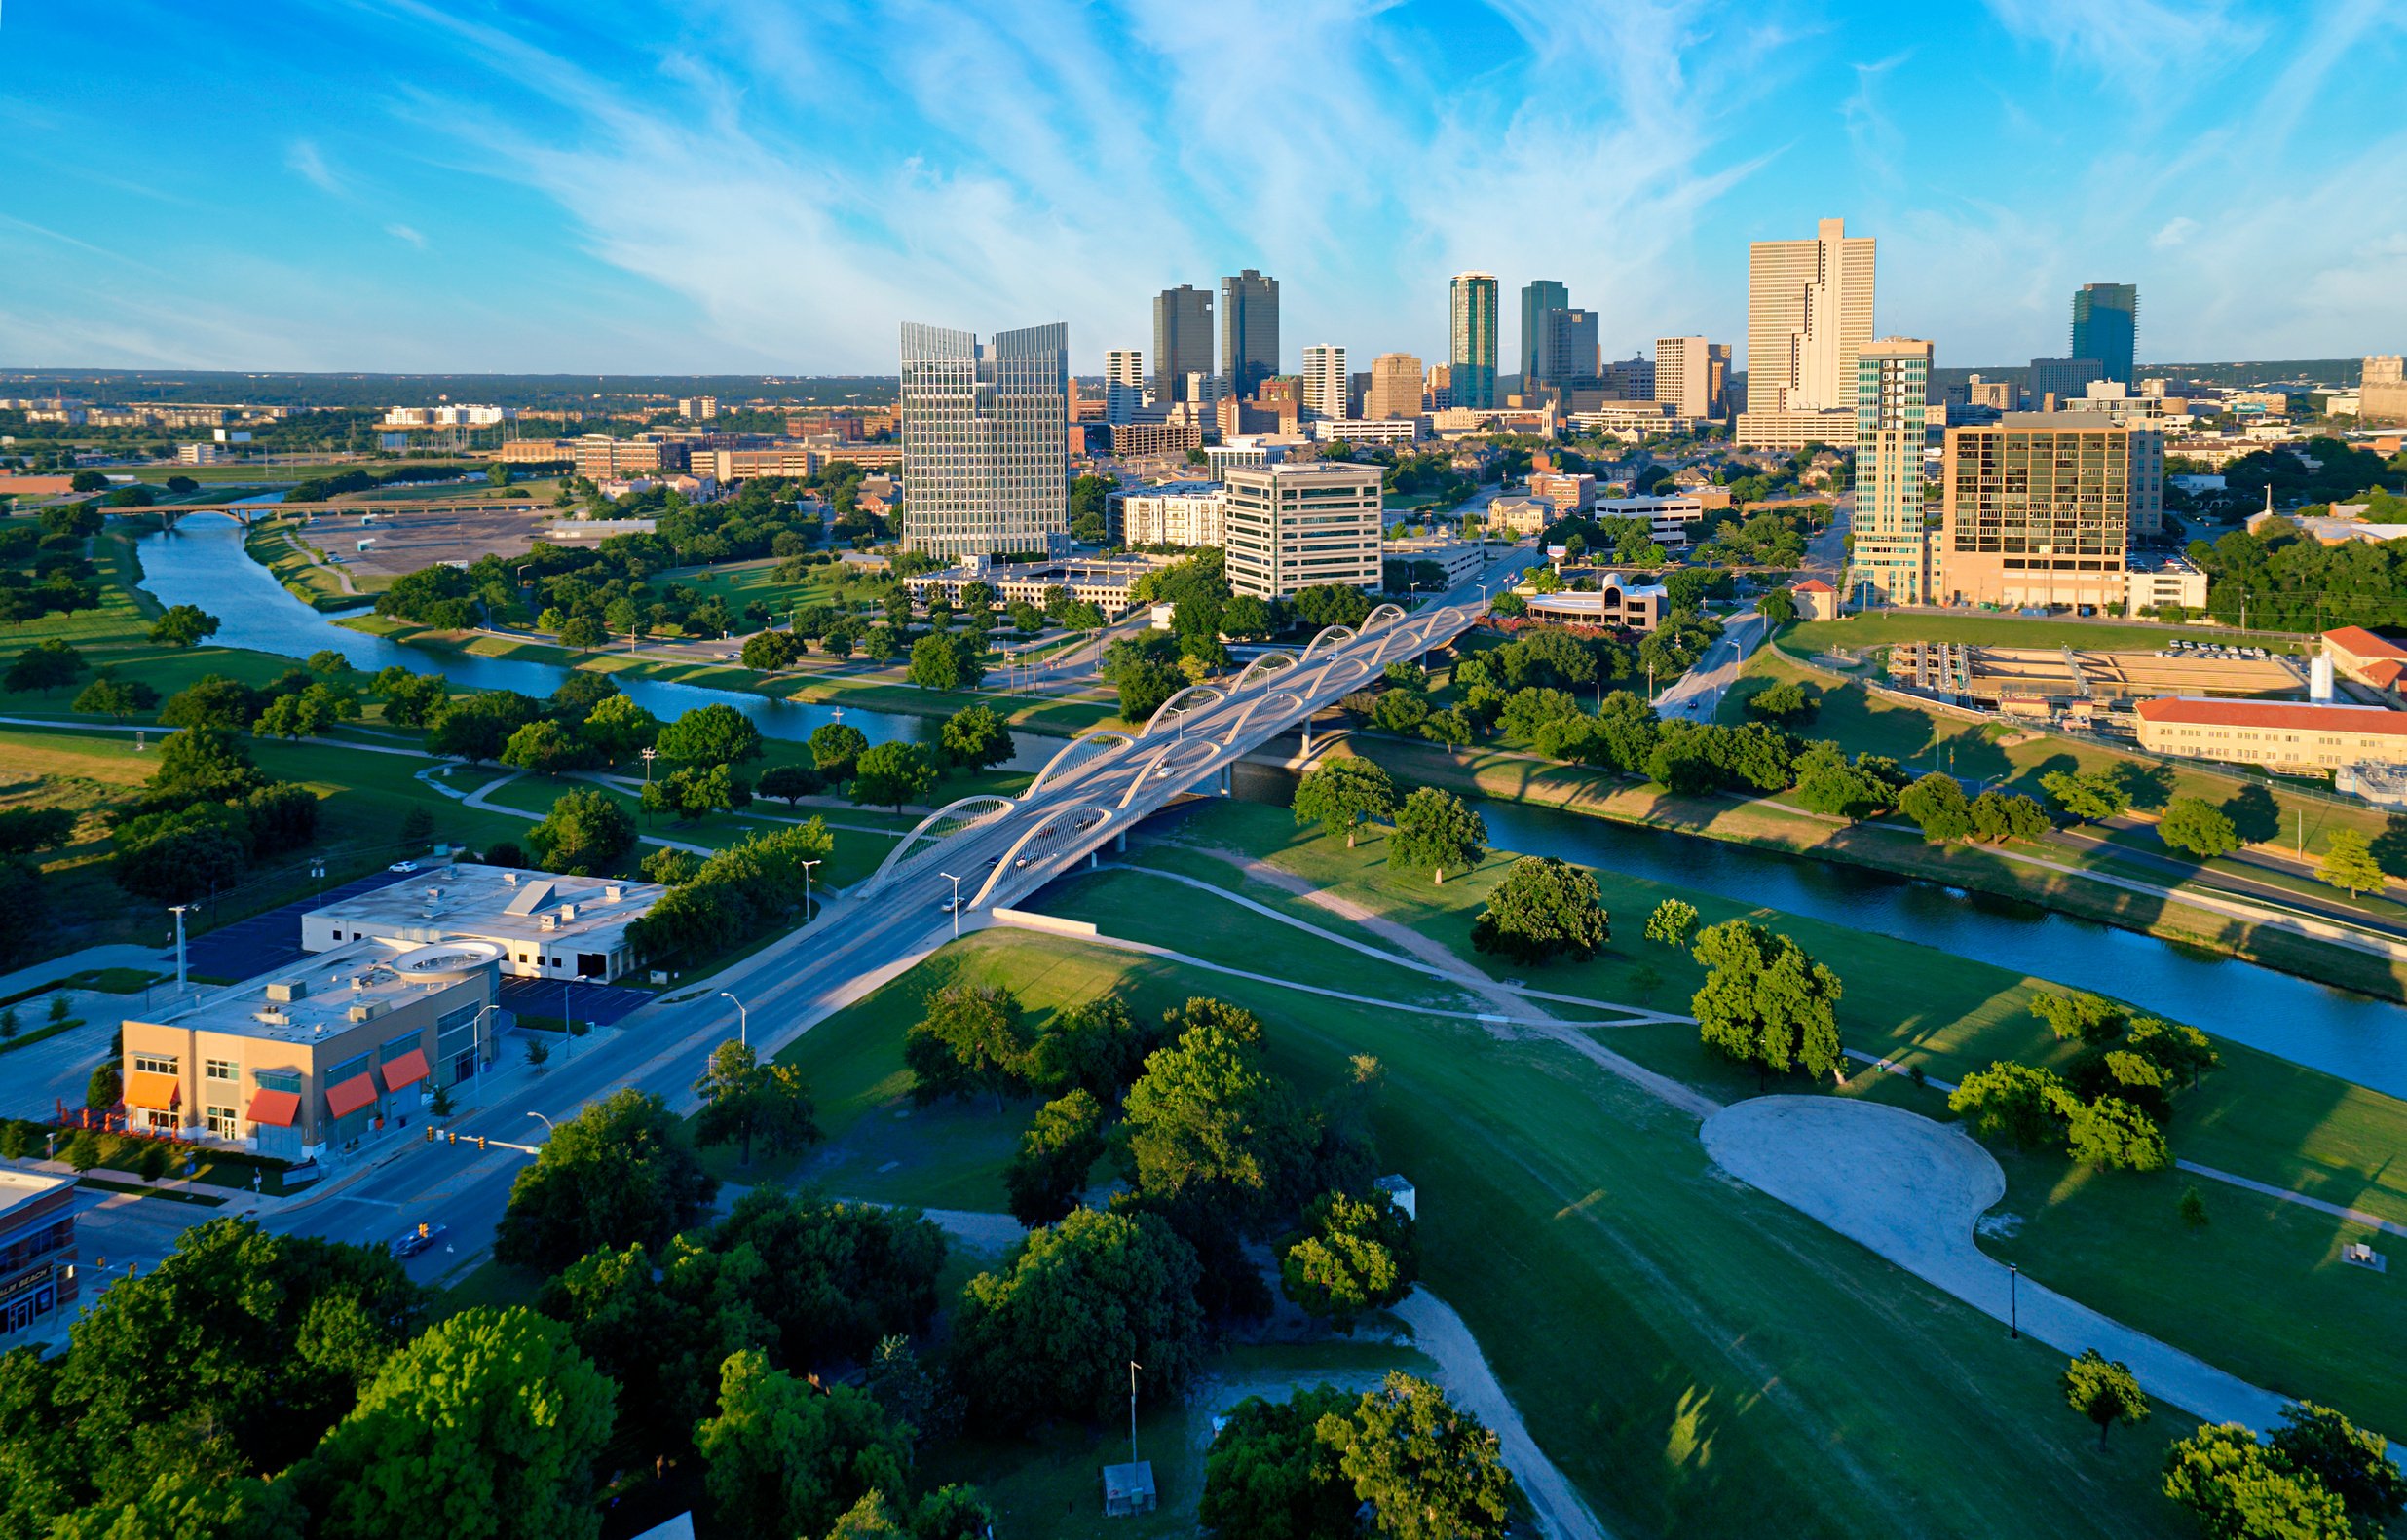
column 179, row 945
column 2013, row 1301
column 545, row 1121
column 807, row 866
column 743, row 1019
column 956, row 902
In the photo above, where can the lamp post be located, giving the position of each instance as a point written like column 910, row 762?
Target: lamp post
column 807, row 866
column 2013, row 1301
column 318, row 875
column 178, row 910
column 956, row 902
column 484, row 1059
column 743, row 1020
column 545, row 1121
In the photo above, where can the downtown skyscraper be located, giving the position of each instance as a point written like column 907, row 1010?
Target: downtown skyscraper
column 1808, row 311
column 986, row 430
column 1538, row 296
column 1471, row 338
column 2106, row 327
column 1182, row 340
column 1892, row 560
column 1249, row 331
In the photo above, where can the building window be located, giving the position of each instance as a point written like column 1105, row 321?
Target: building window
column 222, row 1069
column 224, row 1123
column 154, row 1064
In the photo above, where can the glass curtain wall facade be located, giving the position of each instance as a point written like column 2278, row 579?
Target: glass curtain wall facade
column 985, row 429
column 1891, row 561
column 1182, row 340
column 1471, row 333
column 1538, row 296
column 1249, row 331
column 2106, row 327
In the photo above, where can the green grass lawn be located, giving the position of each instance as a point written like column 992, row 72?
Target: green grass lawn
column 280, row 546
column 1698, row 1357
column 742, row 582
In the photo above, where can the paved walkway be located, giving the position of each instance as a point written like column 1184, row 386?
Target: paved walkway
column 477, row 799
column 116, row 954
column 1910, row 1190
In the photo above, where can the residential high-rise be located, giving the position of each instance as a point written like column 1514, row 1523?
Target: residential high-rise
column 1892, row 560
column 1124, row 395
column 1395, row 386
column 2041, row 506
column 1298, row 526
column 1181, row 339
column 1124, row 367
column 1693, row 377
column 1249, row 331
column 1471, row 338
column 2106, row 327
column 1324, row 381
column 1809, row 309
column 2382, row 389
column 1538, row 296
column 986, row 433
column 1566, row 350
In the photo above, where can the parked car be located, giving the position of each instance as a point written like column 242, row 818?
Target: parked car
column 402, row 866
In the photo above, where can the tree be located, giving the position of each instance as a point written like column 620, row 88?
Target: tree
column 2199, row 827
column 83, row 1151
column 108, row 695
column 790, row 783
column 586, row 832
column 771, row 651
column 944, row 662
column 971, row 1039
column 2193, row 1208
column 2009, row 1101
column 45, row 667
column 1778, row 606
column 1059, row 1148
column 892, row 773
column 1097, row 1046
column 745, row 1100
column 697, row 791
column 2353, row 1463
column 1544, row 908
column 617, row 1173
column 1828, row 784
column 2093, row 797
column 2105, row 1391
column 714, row 734
column 1344, row 794
column 183, row 625
column 583, row 633
column 487, row 1425
column 975, row 738
column 1998, row 816
column 617, row 729
column 1766, row 1003
column 1937, row 804
column 2348, row 859
column 1052, row 1333
column 213, row 701
column 477, row 727
column 2237, row 1488
column 1788, row 703
column 2111, row 1132
column 1268, row 1476
column 1354, row 1255
column 788, row 1456
column 834, row 747
column 1429, row 1471
column 1672, row 922
column 176, row 858
column 1434, row 831
column 543, row 747
column 306, row 713
column 1207, row 1125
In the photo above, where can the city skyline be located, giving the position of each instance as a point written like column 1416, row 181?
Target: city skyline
column 668, row 191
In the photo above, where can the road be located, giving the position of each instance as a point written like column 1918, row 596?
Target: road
column 1697, row 694
column 854, row 944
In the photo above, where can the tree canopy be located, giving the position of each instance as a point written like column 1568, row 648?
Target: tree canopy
column 1545, row 908
column 1765, row 1002
column 618, row 1173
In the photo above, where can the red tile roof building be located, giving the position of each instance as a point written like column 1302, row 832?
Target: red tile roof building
column 2296, row 736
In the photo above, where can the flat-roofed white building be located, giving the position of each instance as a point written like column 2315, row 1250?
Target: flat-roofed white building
column 1301, row 526
column 1794, row 430
column 1174, row 514
column 1670, row 518
column 1461, row 560
column 1371, row 430
column 546, row 926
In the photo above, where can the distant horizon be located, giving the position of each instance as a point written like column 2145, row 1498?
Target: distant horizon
column 688, row 190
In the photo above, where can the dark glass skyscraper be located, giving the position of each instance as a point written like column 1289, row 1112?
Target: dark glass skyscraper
column 2106, row 326
column 1181, row 339
column 1538, row 296
column 1249, row 331
column 1471, row 338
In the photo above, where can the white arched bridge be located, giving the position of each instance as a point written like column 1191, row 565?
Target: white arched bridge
column 993, row 851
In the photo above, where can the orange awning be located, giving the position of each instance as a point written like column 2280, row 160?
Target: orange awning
column 274, row 1108
column 408, row 1069
column 351, row 1095
column 161, row 1093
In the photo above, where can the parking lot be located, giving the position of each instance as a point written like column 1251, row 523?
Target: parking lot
column 602, row 1004
column 273, row 940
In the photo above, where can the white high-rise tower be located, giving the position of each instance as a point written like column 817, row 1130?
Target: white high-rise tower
column 1809, row 312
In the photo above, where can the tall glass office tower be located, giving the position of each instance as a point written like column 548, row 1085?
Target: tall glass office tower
column 1538, row 296
column 1471, row 338
column 1892, row 558
column 1249, row 331
column 986, row 441
column 2106, row 326
column 1181, row 339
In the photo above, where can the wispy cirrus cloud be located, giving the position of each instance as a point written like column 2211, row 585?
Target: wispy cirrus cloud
column 308, row 162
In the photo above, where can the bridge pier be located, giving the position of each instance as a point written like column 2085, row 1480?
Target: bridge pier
column 1119, row 842
column 1224, row 784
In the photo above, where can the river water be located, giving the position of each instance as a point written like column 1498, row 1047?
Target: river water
column 201, row 561
column 2351, row 1036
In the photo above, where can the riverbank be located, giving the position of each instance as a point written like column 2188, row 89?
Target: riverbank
column 279, row 545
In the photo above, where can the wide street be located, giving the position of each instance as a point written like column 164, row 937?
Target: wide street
column 1697, row 694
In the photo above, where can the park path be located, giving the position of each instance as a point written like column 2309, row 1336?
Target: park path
column 480, row 799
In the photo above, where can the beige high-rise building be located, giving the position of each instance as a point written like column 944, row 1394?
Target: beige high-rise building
column 1124, row 367
column 2381, row 393
column 1441, row 386
column 1809, row 312
column 1298, row 526
column 2041, row 506
column 1693, row 376
column 1395, row 386
column 1324, row 381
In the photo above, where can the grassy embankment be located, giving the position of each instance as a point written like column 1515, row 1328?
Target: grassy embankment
column 282, row 545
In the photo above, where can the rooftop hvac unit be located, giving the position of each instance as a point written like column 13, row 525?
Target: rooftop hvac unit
column 511, row 878
column 613, row 892
column 568, row 911
column 548, row 922
column 289, row 989
column 367, row 1010
column 359, row 982
column 271, row 1018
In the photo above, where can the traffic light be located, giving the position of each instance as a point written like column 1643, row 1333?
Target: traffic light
column 430, row 1132
column 480, row 1142
column 453, row 1136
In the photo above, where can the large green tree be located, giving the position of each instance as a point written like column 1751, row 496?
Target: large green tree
column 1428, row 1469
column 1435, row 831
column 183, row 625
column 1765, row 1002
column 971, row 1039
column 893, row 773
column 2009, row 1101
column 713, row 734
column 2091, row 796
column 744, row 1100
column 975, row 738
column 1208, row 1124
column 2105, row 1391
column 2351, row 1463
column 1344, row 794
column 2194, row 825
column 1545, row 908
column 2237, row 1488
column 586, row 832
column 1060, row 1146
column 2349, row 862
column 787, row 1458
column 1268, row 1476
column 1353, row 1254
column 619, row 1171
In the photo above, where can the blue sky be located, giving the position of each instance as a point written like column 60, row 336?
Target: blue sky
column 722, row 186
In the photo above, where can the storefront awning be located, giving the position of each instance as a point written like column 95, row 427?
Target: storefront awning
column 274, row 1108
column 406, row 1070
column 352, row 1095
column 161, row 1093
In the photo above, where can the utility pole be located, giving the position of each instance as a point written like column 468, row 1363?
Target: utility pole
column 1133, row 1366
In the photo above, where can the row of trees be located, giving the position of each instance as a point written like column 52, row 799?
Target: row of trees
column 205, row 817
column 44, row 568
column 1430, row 830
column 2110, row 1105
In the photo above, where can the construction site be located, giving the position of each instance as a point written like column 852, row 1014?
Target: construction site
column 2077, row 682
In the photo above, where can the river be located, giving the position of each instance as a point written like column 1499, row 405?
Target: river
column 201, row 561
column 2351, row 1036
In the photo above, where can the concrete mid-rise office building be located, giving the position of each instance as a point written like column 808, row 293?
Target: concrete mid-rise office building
column 1292, row 527
column 986, row 441
column 2055, row 381
column 2106, row 327
column 1182, row 340
column 1324, row 386
column 1395, row 386
column 1471, row 339
column 1173, row 514
column 1249, row 331
column 1692, row 377
column 1809, row 309
column 2040, row 509
column 1891, row 562
column 546, row 925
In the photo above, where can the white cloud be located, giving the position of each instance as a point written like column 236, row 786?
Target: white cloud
column 304, row 159
column 2137, row 42
column 2175, row 230
column 402, row 232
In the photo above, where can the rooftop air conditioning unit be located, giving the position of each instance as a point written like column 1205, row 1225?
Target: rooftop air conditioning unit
column 548, row 922
column 367, row 1010
column 613, row 892
column 289, row 989
column 511, row 878
column 568, row 911
column 359, row 982
column 271, row 1018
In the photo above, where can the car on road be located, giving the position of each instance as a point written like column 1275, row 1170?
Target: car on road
column 949, row 905
column 422, row 1238
column 402, row 866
